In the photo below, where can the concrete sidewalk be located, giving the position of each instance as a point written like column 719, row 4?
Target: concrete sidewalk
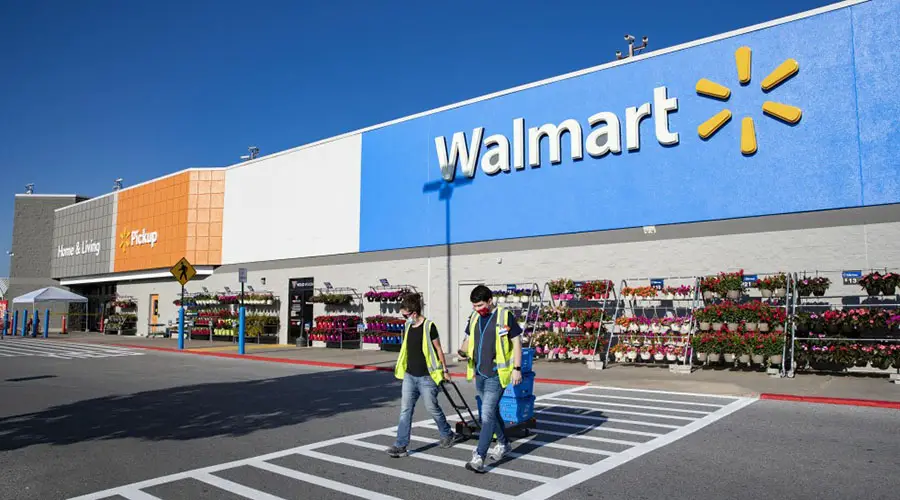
column 707, row 381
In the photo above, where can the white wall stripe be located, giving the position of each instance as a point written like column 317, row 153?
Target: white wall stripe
column 321, row 481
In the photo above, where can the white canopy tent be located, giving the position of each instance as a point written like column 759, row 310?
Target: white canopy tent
column 49, row 294
column 45, row 296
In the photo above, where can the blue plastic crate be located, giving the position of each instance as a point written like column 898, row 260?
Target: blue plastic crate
column 516, row 410
column 527, row 359
column 524, row 389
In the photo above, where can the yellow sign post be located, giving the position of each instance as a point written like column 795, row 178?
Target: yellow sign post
column 183, row 271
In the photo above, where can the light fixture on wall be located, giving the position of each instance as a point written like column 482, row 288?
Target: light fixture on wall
column 254, row 152
column 632, row 50
column 262, row 280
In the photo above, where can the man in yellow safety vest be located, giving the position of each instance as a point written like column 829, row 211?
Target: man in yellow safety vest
column 422, row 369
column 493, row 348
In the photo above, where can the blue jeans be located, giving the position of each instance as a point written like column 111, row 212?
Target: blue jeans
column 413, row 387
column 489, row 390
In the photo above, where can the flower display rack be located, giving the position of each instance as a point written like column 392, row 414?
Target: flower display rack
column 741, row 320
column 389, row 295
column 216, row 316
column 120, row 316
column 342, row 299
column 846, row 321
column 523, row 300
column 654, row 322
column 341, row 331
column 573, row 319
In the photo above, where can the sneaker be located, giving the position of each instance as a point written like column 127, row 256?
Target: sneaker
column 449, row 441
column 476, row 465
column 397, row 452
column 498, row 452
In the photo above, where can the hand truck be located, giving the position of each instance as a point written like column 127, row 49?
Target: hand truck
column 471, row 428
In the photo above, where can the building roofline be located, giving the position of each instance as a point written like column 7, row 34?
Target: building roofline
column 38, row 195
column 631, row 60
column 192, row 169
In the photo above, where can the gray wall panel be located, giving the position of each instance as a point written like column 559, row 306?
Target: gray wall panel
column 82, row 238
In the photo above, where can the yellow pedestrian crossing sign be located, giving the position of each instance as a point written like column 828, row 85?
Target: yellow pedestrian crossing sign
column 183, row 271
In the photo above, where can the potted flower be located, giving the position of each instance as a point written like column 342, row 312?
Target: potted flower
column 873, row 283
column 659, row 353
column 731, row 284
column 645, row 353
column 709, row 286
column 744, row 349
column 774, row 345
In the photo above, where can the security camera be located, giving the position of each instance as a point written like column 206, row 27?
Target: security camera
column 619, row 54
column 629, row 38
column 645, row 39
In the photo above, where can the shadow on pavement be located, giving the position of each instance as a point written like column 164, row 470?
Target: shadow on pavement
column 200, row 411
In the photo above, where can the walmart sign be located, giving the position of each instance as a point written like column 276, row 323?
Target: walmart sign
column 604, row 137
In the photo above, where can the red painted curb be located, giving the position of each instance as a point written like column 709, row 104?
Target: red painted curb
column 894, row 405
column 324, row 364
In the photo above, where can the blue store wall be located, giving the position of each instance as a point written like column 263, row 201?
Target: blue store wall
column 841, row 154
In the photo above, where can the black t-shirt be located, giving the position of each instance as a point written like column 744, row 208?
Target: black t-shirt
column 415, row 358
column 485, row 352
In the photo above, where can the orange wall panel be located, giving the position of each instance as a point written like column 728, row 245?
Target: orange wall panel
column 179, row 216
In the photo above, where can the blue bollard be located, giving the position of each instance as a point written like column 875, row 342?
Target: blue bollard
column 5, row 323
column 15, row 325
column 25, row 322
column 181, row 328
column 47, row 323
column 241, row 317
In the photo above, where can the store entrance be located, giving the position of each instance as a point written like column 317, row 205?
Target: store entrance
column 300, row 309
column 88, row 317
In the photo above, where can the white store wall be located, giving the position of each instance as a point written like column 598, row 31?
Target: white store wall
column 612, row 255
column 296, row 204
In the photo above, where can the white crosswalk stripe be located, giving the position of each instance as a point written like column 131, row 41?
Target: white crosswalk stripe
column 11, row 347
column 573, row 444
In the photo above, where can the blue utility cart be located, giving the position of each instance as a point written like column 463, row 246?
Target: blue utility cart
column 516, row 405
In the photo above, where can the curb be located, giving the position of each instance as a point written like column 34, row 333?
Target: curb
column 323, row 364
column 871, row 403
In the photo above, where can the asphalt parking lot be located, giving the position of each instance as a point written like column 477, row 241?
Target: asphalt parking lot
column 173, row 426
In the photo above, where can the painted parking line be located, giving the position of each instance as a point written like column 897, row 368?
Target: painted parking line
column 44, row 348
column 541, row 465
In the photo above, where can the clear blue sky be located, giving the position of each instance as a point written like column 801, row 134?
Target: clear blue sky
column 97, row 89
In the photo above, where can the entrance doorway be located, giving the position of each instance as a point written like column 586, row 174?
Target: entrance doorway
column 154, row 327
column 300, row 309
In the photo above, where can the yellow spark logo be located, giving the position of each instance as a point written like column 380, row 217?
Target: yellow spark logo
column 784, row 112
column 124, row 240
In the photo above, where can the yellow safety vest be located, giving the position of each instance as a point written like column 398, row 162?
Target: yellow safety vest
column 435, row 369
column 503, row 349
